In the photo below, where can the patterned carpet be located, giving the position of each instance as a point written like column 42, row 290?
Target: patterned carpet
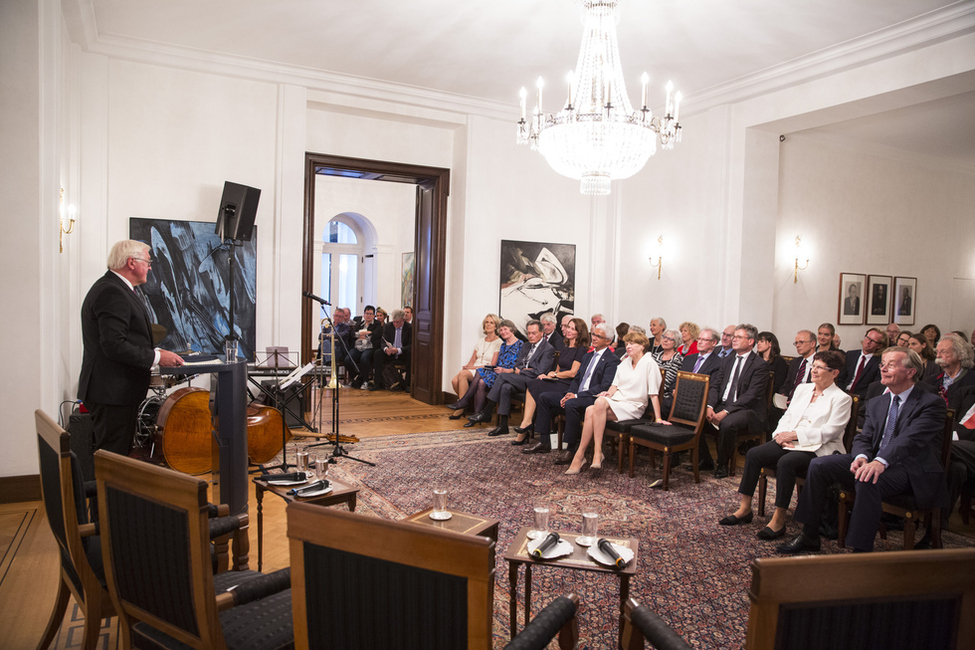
column 694, row 573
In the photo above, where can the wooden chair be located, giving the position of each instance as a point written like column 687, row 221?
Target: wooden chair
column 684, row 432
column 155, row 538
column 82, row 573
column 895, row 601
column 769, row 472
column 902, row 505
column 402, row 586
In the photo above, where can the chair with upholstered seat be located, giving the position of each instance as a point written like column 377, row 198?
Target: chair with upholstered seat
column 895, row 601
column 903, row 505
column 769, row 472
column 684, row 432
column 365, row 582
column 156, row 543
column 618, row 431
column 65, row 502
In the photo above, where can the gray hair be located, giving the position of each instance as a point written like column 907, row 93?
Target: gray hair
column 672, row 334
column 711, row 333
column 962, row 348
column 637, row 328
column 398, row 314
column 660, row 320
column 605, row 330
column 750, row 329
column 548, row 317
column 812, row 335
column 123, row 250
column 912, row 360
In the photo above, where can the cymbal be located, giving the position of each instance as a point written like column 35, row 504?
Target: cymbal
column 158, row 333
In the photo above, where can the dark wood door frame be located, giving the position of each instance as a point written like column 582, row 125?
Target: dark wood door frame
column 430, row 247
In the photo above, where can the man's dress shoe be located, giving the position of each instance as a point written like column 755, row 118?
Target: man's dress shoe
column 721, row 471
column 483, row 416
column 799, row 544
column 565, row 457
column 537, row 448
column 498, row 431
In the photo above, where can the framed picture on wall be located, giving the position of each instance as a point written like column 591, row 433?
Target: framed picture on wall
column 850, row 310
column 407, row 280
column 536, row 278
column 878, row 299
column 905, row 300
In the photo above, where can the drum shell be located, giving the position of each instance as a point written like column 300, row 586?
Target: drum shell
column 183, row 431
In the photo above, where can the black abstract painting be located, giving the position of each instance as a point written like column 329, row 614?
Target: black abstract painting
column 188, row 288
column 536, row 278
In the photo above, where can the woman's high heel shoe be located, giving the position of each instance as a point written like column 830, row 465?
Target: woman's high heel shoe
column 573, row 472
column 530, row 429
column 594, row 465
column 520, row 440
column 456, row 415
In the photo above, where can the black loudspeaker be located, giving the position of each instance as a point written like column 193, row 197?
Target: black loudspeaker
column 289, row 396
column 83, row 442
column 238, row 209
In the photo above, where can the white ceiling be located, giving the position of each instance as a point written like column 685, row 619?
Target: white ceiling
column 488, row 49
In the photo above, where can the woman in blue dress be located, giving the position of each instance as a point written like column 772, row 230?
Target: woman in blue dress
column 485, row 377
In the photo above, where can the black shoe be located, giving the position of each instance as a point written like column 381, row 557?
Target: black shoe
column 706, row 465
column 518, row 443
column 470, row 423
column 456, row 406
column 498, row 431
column 483, row 416
column 768, row 534
column 356, row 383
column 537, row 448
column 721, row 471
column 454, row 417
column 374, row 386
column 799, row 544
column 732, row 520
column 565, row 457
column 529, row 429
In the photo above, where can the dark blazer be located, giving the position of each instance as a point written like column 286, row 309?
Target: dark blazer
column 752, row 386
column 876, row 389
column 375, row 332
column 602, row 375
column 541, row 363
column 710, row 366
column 953, row 394
column 118, row 351
column 389, row 335
column 916, row 443
column 870, row 374
column 555, row 339
column 780, row 372
column 790, row 376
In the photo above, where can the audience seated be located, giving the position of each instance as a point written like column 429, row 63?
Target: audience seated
column 485, row 354
column 863, row 365
column 893, row 331
column 705, row 361
column 669, row 361
column 902, row 339
column 932, row 333
column 636, row 383
column 955, row 358
column 552, row 329
column 961, row 468
column 919, row 343
column 688, row 335
column 574, row 347
column 596, row 372
column 799, row 372
column 486, row 375
column 824, row 338
column 812, row 426
column 657, row 327
column 726, row 335
column 535, row 358
column 898, row 451
column 396, row 348
column 368, row 339
column 737, row 399
column 767, row 347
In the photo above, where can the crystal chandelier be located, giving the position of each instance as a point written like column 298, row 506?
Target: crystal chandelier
column 597, row 136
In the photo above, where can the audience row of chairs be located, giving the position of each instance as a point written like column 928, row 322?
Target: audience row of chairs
column 148, row 557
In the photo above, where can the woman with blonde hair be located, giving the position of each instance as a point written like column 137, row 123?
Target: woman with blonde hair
column 485, row 354
column 688, row 334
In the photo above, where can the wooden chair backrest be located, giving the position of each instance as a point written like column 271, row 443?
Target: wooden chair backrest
column 155, row 540
column 421, row 586
column 851, row 426
column 895, row 600
column 682, row 412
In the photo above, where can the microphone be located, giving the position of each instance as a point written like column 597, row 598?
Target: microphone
column 309, row 294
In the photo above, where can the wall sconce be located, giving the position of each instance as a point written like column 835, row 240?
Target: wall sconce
column 61, row 220
column 799, row 254
column 660, row 258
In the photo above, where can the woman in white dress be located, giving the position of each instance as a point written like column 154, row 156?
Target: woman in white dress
column 636, row 384
column 485, row 354
column 812, row 426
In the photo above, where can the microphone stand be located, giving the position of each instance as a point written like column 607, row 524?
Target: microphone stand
column 337, row 450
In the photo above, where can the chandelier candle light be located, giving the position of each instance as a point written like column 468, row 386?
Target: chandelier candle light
column 597, row 136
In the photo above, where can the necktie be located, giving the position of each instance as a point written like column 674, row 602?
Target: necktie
column 698, row 363
column 584, row 386
column 944, row 381
column 856, row 377
column 799, row 377
column 891, row 423
column 398, row 339
column 528, row 357
column 733, row 388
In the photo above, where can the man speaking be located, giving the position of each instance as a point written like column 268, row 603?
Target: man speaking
column 118, row 351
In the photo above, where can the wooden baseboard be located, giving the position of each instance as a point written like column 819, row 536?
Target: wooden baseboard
column 14, row 489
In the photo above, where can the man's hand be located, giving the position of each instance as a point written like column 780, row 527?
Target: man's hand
column 715, row 418
column 869, row 472
column 169, row 359
column 566, row 398
column 391, row 351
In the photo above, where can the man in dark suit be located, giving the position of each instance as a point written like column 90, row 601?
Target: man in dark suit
column 118, row 348
column 595, row 375
column 397, row 347
column 863, row 366
column 536, row 358
column 897, row 452
column 956, row 359
column 736, row 399
column 552, row 329
column 704, row 362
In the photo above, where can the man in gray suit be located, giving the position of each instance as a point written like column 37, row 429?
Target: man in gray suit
column 535, row 359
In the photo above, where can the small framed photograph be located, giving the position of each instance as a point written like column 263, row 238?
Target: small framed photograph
column 905, row 300
column 850, row 310
column 878, row 299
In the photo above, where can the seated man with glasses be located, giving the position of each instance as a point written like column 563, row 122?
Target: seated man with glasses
column 863, row 365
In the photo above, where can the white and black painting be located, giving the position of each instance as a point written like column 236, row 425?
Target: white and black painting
column 188, row 287
column 536, row 278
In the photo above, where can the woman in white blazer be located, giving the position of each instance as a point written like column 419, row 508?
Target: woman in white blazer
column 813, row 425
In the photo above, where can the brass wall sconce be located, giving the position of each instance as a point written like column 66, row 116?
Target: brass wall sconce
column 805, row 265
column 61, row 220
column 660, row 258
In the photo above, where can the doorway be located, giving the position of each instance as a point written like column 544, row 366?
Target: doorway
column 432, row 188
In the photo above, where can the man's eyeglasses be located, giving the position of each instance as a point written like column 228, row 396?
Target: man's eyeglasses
column 148, row 262
column 798, row 343
column 874, row 341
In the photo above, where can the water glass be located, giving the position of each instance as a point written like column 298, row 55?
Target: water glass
column 321, row 469
column 230, row 349
column 440, row 505
column 302, row 462
column 541, row 522
column 590, row 526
